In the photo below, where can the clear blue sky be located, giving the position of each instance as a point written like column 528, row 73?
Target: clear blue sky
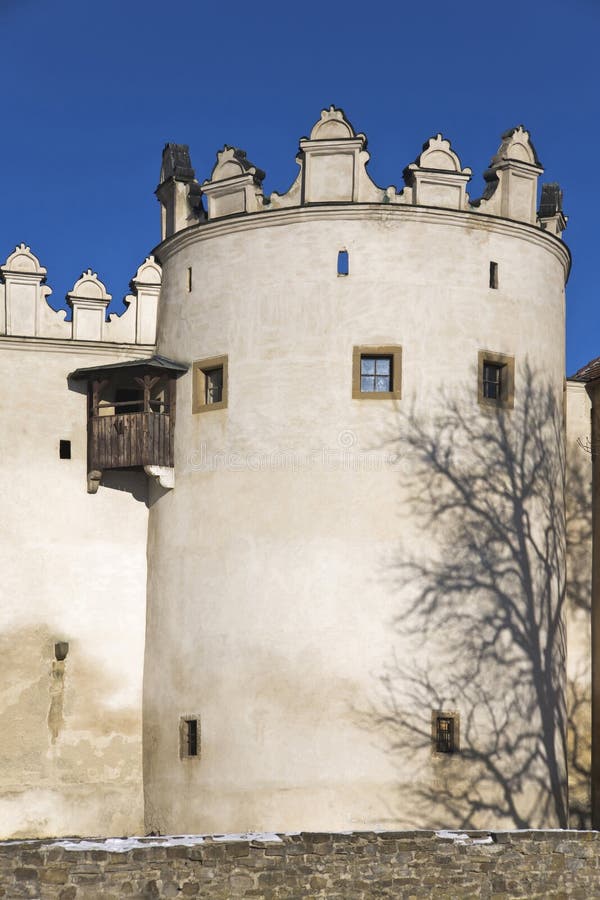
column 91, row 91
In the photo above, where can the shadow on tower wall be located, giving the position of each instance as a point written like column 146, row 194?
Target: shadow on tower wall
column 486, row 595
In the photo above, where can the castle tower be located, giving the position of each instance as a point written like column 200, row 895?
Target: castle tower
column 355, row 587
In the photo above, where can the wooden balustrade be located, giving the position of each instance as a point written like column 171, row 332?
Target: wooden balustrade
column 130, row 439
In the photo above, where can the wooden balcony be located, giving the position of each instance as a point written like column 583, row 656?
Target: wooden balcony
column 130, row 439
column 131, row 417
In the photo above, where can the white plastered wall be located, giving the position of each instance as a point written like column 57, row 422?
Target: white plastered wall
column 73, row 569
column 273, row 581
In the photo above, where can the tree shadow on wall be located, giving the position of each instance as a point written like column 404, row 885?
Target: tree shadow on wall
column 486, row 597
column 579, row 572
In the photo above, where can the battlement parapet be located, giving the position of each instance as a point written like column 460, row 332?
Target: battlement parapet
column 25, row 312
column 333, row 162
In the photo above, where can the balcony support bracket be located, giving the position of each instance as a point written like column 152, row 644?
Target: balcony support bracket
column 93, row 481
column 164, row 475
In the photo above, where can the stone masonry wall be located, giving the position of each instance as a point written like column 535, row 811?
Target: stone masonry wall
column 350, row 866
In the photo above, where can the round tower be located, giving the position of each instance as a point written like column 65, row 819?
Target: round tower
column 355, row 587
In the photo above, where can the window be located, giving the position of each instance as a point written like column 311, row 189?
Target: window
column 496, row 380
column 494, row 275
column 213, row 384
column 64, row 449
column 343, row 263
column 189, row 737
column 492, row 381
column 444, row 731
column 209, row 386
column 376, row 373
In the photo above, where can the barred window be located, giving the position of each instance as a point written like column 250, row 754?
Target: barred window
column 492, row 381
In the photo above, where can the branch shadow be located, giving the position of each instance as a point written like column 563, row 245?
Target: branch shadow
column 483, row 617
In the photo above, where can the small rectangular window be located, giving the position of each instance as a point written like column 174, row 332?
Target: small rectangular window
column 209, row 384
column 64, row 449
column 343, row 264
column 493, row 274
column 444, row 731
column 496, row 380
column 189, row 737
column 492, row 381
column 213, row 382
column 444, row 739
column 189, row 279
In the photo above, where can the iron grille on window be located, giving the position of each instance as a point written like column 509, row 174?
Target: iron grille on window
column 444, row 734
column 492, row 381
column 376, row 374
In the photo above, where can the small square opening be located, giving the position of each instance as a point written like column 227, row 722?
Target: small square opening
column 376, row 373
column 64, row 449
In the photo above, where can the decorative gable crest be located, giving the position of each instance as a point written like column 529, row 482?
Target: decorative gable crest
column 88, row 300
column 23, row 260
column 234, row 185
column 437, row 178
column 511, row 179
column 333, row 126
column 25, row 310
column 142, row 303
column 333, row 162
column 516, row 146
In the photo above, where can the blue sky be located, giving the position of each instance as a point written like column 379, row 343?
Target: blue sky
column 92, row 91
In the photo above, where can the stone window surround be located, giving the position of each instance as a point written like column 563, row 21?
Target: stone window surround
column 507, row 383
column 392, row 350
column 199, row 369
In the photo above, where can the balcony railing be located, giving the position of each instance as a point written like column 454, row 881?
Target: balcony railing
column 130, row 439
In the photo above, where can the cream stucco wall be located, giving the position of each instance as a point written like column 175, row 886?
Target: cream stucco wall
column 579, row 567
column 273, row 566
column 73, row 569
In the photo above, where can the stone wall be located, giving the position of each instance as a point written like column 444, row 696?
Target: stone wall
column 349, row 866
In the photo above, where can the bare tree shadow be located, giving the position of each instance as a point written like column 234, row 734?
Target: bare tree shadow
column 579, row 571
column 484, row 616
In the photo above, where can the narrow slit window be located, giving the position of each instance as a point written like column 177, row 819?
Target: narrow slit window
column 64, row 449
column 189, row 279
column 191, row 737
column 494, row 275
column 343, row 264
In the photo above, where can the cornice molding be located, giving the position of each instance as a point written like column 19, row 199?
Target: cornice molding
column 62, row 345
column 367, row 212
